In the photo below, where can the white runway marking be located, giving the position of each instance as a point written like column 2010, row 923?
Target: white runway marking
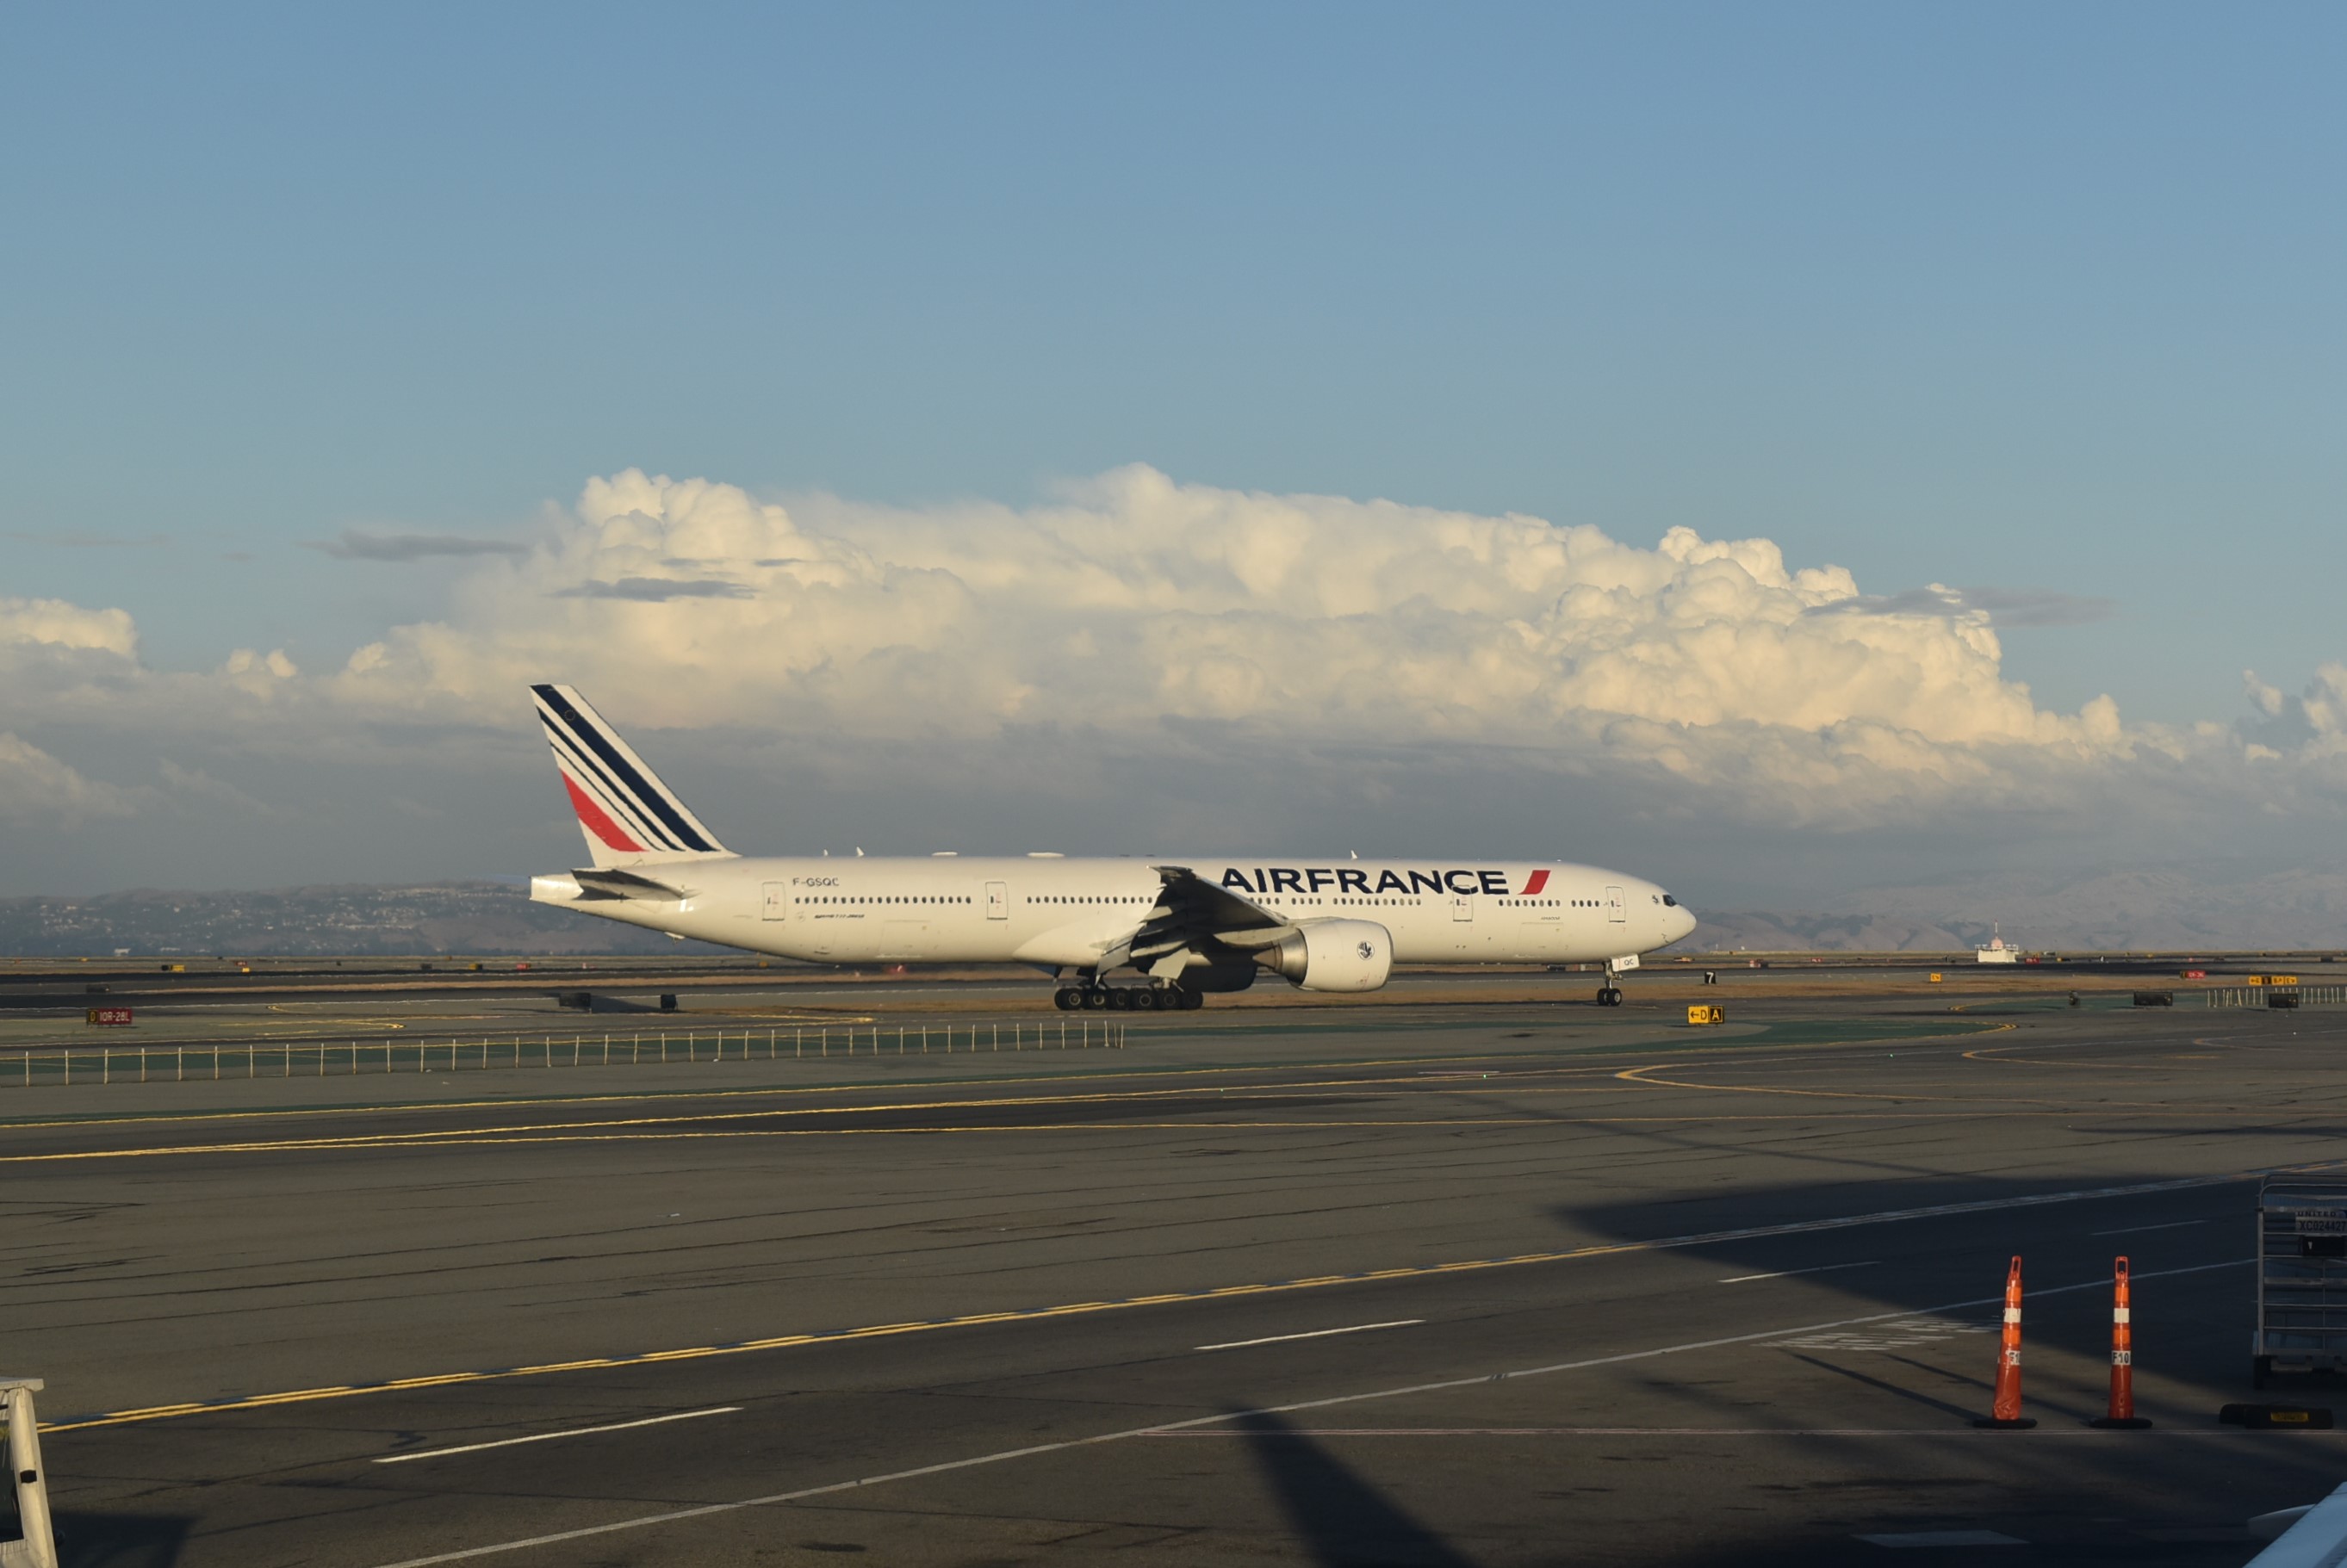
column 2138, row 1230
column 1788, row 1273
column 550, row 1437
column 831, row 1489
column 1898, row 1334
column 1311, row 1334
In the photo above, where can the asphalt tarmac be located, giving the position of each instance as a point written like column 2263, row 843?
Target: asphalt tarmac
column 1503, row 1284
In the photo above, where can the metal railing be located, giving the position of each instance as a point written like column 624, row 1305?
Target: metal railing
column 66, row 1066
column 2273, row 996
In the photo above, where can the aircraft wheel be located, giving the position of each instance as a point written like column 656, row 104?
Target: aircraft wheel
column 1121, row 999
column 1095, row 999
column 1148, row 999
column 1608, row 996
column 1066, row 998
column 1191, row 1001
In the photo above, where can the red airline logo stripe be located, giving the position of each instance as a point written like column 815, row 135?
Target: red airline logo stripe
column 598, row 823
column 1539, row 881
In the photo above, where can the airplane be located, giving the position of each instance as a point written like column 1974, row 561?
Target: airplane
column 1185, row 926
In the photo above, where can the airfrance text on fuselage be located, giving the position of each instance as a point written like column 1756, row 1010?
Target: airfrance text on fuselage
column 1354, row 879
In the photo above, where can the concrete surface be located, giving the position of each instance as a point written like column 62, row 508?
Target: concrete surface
column 1745, row 1279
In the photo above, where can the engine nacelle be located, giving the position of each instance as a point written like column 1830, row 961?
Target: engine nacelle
column 1334, row 955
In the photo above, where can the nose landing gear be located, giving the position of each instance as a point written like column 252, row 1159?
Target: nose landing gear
column 1609, row 995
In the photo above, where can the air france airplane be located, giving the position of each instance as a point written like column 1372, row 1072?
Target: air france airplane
column 1186, row 927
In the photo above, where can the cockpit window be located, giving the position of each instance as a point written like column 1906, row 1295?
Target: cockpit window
column 1671, row 901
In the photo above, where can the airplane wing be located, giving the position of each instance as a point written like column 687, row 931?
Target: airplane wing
column 1190, row 896
column 1195, row 914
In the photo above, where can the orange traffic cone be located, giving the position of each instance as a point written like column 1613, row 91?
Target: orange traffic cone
column 2122, row 1414
column 2006, row 1411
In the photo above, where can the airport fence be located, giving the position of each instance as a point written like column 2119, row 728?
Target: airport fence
column 2275, row 996
column 66, row 1066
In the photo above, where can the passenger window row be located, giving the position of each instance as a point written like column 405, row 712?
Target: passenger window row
column 881, row 899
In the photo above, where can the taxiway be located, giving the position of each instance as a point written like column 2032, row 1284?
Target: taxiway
column 1508, row 1284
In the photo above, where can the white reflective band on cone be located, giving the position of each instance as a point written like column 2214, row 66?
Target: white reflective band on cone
column 2012, row 1314
column 2118, row 1315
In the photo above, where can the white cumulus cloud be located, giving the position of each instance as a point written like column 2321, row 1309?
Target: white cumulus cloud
column 55, row 623
column 1132, row 602
column 2311, row 725
column 37, row 788
column 1207, row 657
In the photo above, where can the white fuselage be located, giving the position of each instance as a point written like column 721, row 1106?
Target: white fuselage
column 1056, row 912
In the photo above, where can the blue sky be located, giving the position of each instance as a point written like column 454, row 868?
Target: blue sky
column 2043, row 298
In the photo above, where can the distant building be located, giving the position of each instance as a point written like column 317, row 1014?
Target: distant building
column 1996, row 952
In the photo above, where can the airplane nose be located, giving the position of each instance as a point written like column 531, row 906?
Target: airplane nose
column 1678, row 920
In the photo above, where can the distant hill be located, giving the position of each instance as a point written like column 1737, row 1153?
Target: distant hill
column 337, row 920
column 1754, row 931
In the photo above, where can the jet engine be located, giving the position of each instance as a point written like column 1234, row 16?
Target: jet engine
column 1333, row 956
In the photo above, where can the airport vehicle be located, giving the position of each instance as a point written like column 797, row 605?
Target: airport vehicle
column 1186, row 926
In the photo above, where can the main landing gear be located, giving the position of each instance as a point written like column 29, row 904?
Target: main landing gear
column 1609, row 995
column 1127, row 999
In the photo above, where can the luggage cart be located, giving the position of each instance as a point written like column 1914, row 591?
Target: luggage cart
column 2301, row 1279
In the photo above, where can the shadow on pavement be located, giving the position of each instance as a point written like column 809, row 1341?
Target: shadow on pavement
column 2193, row 1325
column 1340, row 1519
column 2177, row 1495
column 119, row 1540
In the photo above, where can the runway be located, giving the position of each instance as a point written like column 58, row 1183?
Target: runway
column 1411, row 1285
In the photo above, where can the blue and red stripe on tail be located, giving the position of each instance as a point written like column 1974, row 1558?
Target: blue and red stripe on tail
column 626, row 812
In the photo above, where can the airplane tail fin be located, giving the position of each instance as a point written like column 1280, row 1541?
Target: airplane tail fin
column 628, row 814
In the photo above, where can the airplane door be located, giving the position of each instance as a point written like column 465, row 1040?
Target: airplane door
column 998, row 900
column 1463, row 907
column 1616, row 910
column 777, row 903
